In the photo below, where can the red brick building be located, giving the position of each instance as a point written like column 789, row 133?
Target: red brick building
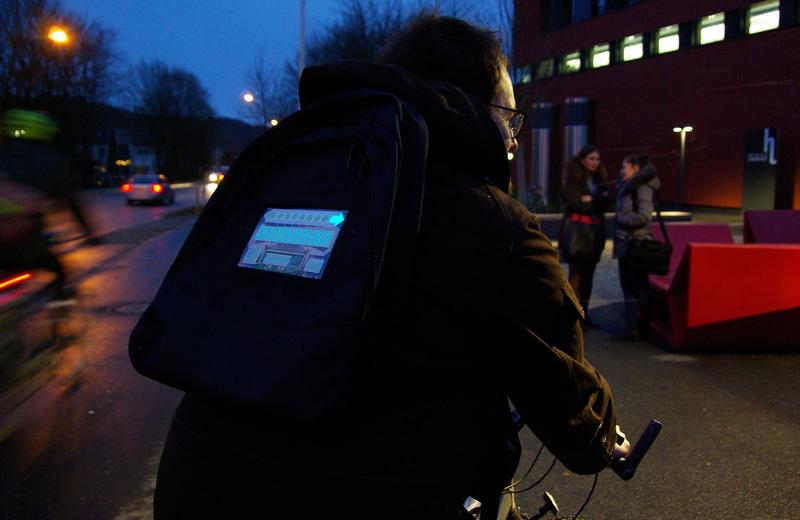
column 622, row 74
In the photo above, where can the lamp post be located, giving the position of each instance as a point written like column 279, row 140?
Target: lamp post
column 683, row 130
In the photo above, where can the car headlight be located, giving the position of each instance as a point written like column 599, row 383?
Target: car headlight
column 212, row 177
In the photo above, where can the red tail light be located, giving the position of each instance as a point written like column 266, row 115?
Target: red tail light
column 14, row 281
column 126, row 187
column 156, row 188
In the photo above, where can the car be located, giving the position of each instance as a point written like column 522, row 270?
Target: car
column 217, row 173
column 148, row 188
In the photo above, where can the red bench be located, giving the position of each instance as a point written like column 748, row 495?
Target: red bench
column 729, row 296
column 680, row 234
column 781, row 226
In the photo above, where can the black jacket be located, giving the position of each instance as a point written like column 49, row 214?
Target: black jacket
column 579, row 182
column 488, row 316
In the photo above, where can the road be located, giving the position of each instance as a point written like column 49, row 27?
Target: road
column 108, row 211
column 729, row 448
column 88, row 447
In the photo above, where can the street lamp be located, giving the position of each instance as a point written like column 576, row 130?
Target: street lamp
column 248, row 98
column 58, row 35
column 683, row 130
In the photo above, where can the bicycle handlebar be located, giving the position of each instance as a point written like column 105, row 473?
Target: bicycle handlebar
column 625, row 467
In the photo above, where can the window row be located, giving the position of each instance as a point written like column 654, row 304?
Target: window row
column 759, row 17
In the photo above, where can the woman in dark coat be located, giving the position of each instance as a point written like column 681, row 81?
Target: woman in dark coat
column 585, row 195
column 637, row 185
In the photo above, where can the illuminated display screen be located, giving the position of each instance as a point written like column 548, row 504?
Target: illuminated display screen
column 293, row 241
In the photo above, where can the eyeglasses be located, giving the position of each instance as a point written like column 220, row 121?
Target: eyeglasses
column 517, row 121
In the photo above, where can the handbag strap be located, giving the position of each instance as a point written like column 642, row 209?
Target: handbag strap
column 658, row 214
column 662, row 225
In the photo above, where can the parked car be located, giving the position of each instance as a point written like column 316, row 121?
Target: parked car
column 148, row 188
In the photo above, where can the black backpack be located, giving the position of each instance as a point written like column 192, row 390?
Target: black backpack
column 268, row 301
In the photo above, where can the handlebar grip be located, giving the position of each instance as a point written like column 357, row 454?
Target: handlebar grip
column 626, row 467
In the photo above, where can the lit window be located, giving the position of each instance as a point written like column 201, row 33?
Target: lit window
column 632, row 47
column 545, row 69
column 601, row 55
column 522, row 75
column 570, row 63
column 712, row 28
column 668, row 39
column 763, row 16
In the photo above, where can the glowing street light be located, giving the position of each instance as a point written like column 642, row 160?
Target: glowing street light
column 273, row 122
column 683, row 130
column 58, row 35
column 248, row 97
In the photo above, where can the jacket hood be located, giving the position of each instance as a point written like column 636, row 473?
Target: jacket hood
column 646, row 175
column 462, row 135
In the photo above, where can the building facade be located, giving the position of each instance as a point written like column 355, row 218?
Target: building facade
column 709, row 90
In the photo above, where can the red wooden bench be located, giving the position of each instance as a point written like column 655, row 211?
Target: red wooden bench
column 731, row 296
column 781, row 226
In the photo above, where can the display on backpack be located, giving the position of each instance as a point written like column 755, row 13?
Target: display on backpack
column 293, row 241
column 269, row 300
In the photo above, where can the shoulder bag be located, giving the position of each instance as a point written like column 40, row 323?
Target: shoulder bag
column 649, row 255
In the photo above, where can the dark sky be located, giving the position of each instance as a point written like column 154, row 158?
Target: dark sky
column 217, row 40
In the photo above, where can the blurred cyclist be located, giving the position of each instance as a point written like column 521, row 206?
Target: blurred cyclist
column 29, row 156
column 23, row 244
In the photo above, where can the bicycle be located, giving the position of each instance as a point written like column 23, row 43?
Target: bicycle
column 37, row 326
column 504, row 507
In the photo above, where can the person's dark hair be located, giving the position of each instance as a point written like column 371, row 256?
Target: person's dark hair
column 440, row 48
column 575, row 169
column 586, row 150
column 637, row 159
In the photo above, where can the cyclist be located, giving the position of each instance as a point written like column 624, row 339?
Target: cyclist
column 23, row 244
column 30, row 156
column 490, row 317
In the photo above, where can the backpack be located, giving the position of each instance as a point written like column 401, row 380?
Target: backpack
column 269, row 299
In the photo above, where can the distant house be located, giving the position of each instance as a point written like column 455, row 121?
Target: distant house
column 123, row 146
column 118, row 153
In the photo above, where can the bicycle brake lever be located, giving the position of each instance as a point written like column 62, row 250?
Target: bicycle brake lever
column 625, row 467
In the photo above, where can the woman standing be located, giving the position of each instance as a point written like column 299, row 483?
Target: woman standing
column 637, row 185
column 585, row 195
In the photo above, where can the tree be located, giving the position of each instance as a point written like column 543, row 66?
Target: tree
column 177, row 113
column 273, row 93
column 364, row 27
column 38, row 73
column 69, row 81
